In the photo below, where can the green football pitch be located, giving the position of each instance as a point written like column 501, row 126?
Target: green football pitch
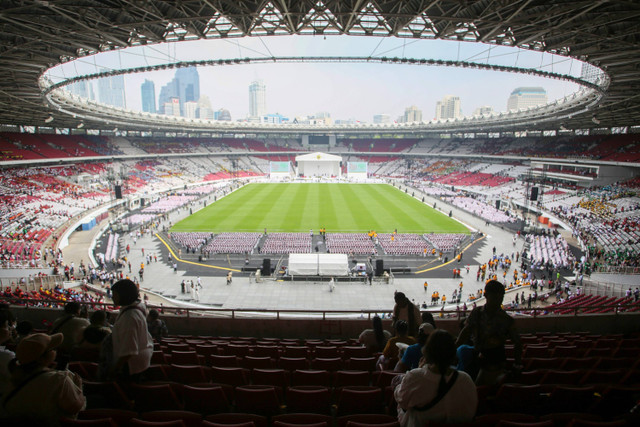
column 347, row 208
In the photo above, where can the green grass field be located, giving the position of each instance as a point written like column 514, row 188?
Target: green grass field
column 337, row 207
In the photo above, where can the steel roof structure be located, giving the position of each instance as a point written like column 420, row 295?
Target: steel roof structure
column 36, row 35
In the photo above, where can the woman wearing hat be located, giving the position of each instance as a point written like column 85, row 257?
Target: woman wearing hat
column 39, row 392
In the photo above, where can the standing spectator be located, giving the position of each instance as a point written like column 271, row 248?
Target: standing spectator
column 41, row 394
column 489, row 327
column 375, row 339
column 132, row 343
column 435, row 391
column 407, row 311
column 156, row 326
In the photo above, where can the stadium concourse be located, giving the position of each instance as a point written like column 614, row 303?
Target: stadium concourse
column 163, row 285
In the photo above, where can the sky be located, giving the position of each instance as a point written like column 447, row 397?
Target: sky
column 345, row 90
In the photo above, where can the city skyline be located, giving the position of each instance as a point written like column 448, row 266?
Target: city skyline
column 356, row 91
column 449, row 106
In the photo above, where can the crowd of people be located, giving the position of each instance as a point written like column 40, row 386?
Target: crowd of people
column 35, row 384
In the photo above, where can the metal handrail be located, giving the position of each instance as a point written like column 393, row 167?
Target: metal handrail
column 305, row 313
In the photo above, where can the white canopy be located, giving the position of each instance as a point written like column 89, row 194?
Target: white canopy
column 318, row 157
column 319, row 164
column 318, row 265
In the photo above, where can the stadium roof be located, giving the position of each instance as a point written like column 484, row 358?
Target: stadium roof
column 36, row 35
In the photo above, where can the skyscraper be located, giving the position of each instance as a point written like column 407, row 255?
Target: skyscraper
column 111, row 91
column 185, row 86
column 204, row 108
column 485, row 110
column 222, row 114
column 525, row 97
column 148, row 90
column 82, row 88
column 412, row 114
column 381, row 118
column 257, row 99
column 448, row 108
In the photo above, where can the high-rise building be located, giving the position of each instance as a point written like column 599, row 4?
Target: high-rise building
column 191, row 109
column 222, row 114
column 172, row 107
column 148, row 91
column 111, row 91
column 82, row 88
column 381, row 118
column 525, row 97
column 257, row 99
column 412, row 114
column 448, row 108
column 185, row 86
column 485, row 110
column 204, row 108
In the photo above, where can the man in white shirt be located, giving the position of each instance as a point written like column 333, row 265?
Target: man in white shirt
column 132, row 343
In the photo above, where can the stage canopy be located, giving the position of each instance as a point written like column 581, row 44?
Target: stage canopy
column 319, row 164
column 318, row 265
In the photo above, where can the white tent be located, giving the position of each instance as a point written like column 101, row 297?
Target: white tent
column 318, row 265
column 319, row 164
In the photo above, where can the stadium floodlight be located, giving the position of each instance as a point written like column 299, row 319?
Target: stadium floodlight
column 80, row 125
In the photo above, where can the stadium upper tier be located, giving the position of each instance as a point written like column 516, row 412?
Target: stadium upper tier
column 602, row 148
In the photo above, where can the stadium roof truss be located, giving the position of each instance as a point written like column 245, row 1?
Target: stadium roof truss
column 37, row 35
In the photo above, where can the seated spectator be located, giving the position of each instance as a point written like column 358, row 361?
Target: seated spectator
column 427, row 317
column 97, row 330
column 436, row 392
column 6, row 355
column 71, row 325
column 466, row 356
column 392, row 349
column 24, row 328
column 489, row 327
column 39, row 393
column 375, row 339
column 156, row 326
column 413, row 354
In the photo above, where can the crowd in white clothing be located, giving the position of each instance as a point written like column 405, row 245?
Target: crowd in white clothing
column 553, row 250
column 286, row 243
column 191, row 241
column 481, row 209
column 232, row 243
column 350, row 243
column 404, row 244
column 444, row 242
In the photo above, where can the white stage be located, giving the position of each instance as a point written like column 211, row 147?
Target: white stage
column 319, row 164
